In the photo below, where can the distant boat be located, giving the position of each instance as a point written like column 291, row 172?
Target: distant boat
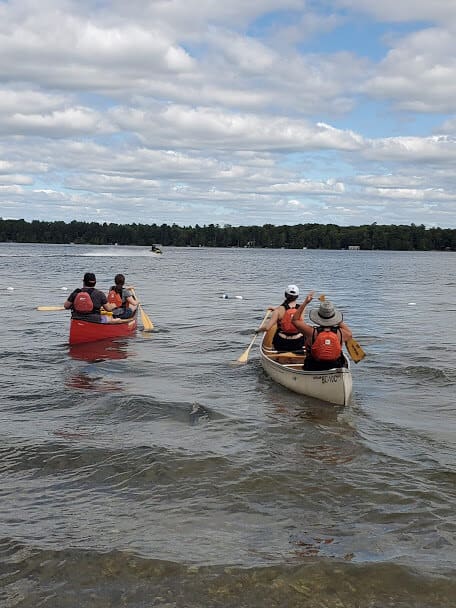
column 156, row 249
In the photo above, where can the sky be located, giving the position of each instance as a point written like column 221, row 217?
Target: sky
column 239, row 112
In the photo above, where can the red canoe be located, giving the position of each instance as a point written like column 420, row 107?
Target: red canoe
column 87, row 331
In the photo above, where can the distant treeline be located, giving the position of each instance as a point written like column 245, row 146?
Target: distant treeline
column 311, row 236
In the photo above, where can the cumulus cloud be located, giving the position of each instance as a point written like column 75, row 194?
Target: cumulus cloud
column 202, row 127
column 419, row 74
column 242, row 112
column 434, row 149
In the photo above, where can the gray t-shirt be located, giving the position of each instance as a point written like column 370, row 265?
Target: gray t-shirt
column 98, row 298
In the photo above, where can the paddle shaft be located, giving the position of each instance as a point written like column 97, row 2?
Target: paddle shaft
column 50, row 308
column 245, row 355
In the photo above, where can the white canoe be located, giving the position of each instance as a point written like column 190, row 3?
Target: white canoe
column 333, row 385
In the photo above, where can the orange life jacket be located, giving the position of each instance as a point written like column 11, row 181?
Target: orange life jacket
column 327, row 345
column 83, row 302
column 286, row 323
column 115, row 298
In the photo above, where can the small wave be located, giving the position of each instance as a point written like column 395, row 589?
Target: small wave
column 428, row 374
column 309, row 580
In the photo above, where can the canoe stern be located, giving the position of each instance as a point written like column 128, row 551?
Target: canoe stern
column 85, row 331
column 333, row 386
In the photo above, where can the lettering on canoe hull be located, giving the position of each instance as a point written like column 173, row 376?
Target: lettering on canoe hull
column 326, row 379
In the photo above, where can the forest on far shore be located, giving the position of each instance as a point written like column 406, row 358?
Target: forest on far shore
column 299, row 236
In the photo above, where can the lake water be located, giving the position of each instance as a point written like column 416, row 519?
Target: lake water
column 154, row 473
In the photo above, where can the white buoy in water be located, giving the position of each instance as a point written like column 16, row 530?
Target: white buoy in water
column 64, row 288
column 10, row 288
column 412, row 303
column 238, row 297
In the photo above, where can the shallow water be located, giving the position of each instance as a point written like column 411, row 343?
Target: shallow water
column 153, row 472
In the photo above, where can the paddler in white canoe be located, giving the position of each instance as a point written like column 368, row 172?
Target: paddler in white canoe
column 324, row 341
column 320, row 369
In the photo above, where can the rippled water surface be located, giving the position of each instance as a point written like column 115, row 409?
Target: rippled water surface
column 152, row 472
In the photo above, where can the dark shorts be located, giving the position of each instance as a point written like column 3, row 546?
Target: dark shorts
column 122, row 313
column 313, row 365
column 286, row 344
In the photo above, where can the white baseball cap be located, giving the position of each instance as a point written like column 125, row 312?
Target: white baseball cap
column 292, row 290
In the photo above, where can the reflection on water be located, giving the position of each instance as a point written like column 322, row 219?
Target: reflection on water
column 99, row 351
column 96, row 376
column 86, row 381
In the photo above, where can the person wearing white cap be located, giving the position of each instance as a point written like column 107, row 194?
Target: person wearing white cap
column 324, row 341
column 287, row 337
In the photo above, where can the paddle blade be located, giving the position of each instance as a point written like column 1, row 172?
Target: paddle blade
column 245, row 355
column 242, row 359
column 355, row 351
column 147, row 323
column 50, row 308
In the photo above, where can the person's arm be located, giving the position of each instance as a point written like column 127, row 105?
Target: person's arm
column 271, row 321
column 297, row 317
column 69, row 301
column 108, row 306
column 346, row 332
column 130, row 298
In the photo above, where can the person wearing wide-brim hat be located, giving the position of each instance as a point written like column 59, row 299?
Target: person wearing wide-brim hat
column 324, row 341
column 326, row 315
column 286, row 337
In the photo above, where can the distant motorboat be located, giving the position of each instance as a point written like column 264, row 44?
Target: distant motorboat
column 156, row 249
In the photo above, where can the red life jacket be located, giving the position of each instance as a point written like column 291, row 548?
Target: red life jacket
column 115, row 298
column 286, row 323
column 83, row 302
column 327, row 345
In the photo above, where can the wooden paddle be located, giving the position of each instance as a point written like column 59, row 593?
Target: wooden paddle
column 56, row 308
column 145, row 320
column 354, row 349
column 245, row 355
column 50, row 308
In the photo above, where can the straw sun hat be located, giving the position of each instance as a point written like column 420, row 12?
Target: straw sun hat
column 326, row 315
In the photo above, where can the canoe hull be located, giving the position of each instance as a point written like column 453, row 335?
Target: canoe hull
column 333, row 386
column 84, row 331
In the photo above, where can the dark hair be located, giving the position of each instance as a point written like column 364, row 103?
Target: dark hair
column 90, row 279
column 289, row 298
column 119, row 281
